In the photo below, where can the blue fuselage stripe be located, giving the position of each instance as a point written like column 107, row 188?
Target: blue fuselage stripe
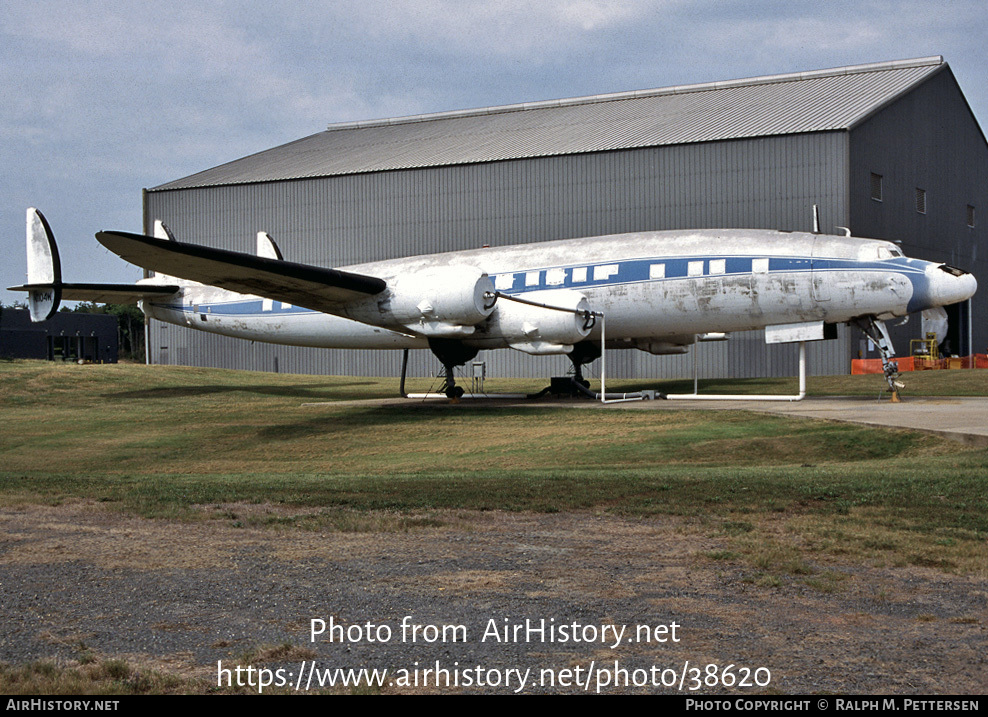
column 626, row 271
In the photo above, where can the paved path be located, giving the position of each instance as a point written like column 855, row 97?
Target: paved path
column 961, row 419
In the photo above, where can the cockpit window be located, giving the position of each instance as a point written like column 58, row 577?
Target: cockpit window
column 882, row 252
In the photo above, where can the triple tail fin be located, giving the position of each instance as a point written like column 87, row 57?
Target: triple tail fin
column 45, row 288
column 267, row 247
column 44, row 268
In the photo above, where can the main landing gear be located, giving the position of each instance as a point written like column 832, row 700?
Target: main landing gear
column 451, row 353
column 582, row 354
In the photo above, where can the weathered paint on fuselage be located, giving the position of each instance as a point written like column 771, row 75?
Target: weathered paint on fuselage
column 649, row 285
column 223, row 312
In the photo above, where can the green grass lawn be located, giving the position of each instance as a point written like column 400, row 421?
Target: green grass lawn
column 164, row 441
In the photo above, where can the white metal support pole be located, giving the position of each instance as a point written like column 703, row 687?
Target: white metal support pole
column 740, row 397
column 970, row 333
column 696, row 368
column 603, row 358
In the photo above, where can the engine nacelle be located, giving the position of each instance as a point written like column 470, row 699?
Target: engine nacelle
column 541, row 330
column 446, row 301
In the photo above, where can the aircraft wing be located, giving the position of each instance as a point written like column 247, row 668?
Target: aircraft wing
column 303, row 285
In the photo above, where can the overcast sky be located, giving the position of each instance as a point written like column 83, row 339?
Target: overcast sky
column 102, row 99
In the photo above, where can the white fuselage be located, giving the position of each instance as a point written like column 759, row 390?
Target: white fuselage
column 650, row 286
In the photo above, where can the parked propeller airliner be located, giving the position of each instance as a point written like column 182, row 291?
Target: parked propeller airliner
column 656, row 291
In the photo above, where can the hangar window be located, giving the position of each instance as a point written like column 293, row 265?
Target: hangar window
column 920, row 200
column 970, row 216
column 876, row 187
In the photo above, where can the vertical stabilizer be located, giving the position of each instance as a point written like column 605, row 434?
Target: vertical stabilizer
column 267, row 247
column 161, row 231
column 44, row 269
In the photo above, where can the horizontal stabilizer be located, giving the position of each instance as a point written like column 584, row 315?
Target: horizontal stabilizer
column 311, row 287
column 103, row 293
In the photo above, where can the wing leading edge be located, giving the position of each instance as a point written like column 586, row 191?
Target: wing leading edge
column 303, row 285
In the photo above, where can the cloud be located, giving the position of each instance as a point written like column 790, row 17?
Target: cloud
column 501, row 28
column 102, row 99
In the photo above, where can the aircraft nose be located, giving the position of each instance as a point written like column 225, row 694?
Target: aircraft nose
column 950, row 284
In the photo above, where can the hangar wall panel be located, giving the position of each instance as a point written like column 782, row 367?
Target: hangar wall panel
column 769, row 182
column 929, row 141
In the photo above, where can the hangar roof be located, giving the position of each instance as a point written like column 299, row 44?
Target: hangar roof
column 818, row 101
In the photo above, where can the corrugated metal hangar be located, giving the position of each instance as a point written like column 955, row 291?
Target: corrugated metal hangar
column 890, row 150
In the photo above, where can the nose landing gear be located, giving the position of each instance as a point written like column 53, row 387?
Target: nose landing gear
column 876, row 331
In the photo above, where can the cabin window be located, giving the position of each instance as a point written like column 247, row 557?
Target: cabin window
column 602, row 273
column 876, row 187
column 718, row 266
column 920, row 200
column 580, row 273
column 532, row 278
column 759, row 266
column 657, row 271
column 555, row 277
column 970, row 216
column 694, row 268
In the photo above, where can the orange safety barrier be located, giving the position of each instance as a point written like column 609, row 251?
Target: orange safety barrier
column 915, row 363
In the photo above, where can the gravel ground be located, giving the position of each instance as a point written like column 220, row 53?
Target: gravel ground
column 179, row 597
